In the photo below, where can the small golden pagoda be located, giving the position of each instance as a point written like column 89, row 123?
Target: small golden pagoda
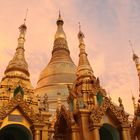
column 23, row 116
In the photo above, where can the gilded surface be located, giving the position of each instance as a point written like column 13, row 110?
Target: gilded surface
column 96, row 115
column 23, row 106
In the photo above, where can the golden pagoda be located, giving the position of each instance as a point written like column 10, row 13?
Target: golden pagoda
column 22, row 114
column 79, row 105
column 91, row 114
column 60, row 71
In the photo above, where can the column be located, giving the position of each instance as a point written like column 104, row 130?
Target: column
column 45, row 133
column 46, row 116
column 95, row 131
column 37, row 134
column 36, row 129
column 84, row 124
column 126, row 132
column 75, row 133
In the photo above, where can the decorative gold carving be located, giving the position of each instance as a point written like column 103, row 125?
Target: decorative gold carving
column 96, row 115
column 24, row 107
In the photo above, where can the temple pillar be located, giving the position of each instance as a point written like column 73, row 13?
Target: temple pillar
column 75, row 133
column 84, row 124
column 45, row 133
column 125, row 132
column 37, row 135
column 36, row 130
column 94, row 129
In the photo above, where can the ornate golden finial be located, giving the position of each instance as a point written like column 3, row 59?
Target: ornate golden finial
column 135, row 57
column 59, row 14
column 59, row 20
column 60, row 33
column 84, row 65
column 26, row 16
column 80, row 35
column 120, row 102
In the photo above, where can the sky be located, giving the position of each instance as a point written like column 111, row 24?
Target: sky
column 108, row 26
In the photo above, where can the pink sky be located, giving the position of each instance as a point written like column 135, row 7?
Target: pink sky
column 107, row 25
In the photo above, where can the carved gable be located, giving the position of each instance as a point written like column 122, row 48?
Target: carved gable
column 23, row 106
column 96, row 115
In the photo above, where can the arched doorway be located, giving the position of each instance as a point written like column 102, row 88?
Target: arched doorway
column 108, row 132
column 15, row 132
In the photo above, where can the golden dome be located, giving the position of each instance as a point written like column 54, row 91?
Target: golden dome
column 60, row 71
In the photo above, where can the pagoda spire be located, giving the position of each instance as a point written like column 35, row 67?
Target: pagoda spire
column 135, row 59
column 137, row 64
column 84, row 67
column 17, row 70
column 60, row 41
column 18, row 62
column 60, row 70
column 60, row 32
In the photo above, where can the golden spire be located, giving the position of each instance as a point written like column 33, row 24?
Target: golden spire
column 84, row 65
column 137, row 63
column 60, row 32
column 18, row 63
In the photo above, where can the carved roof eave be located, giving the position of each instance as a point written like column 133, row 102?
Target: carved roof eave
column 23, row 106
column 96, row 115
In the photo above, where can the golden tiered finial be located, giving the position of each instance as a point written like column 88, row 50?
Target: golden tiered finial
column 135, row 57
column 60, row 33
column 22, row 29
column 59, row 17
column 81, row 36
column 83, row 66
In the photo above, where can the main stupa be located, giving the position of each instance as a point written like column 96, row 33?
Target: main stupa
column 60, row 71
